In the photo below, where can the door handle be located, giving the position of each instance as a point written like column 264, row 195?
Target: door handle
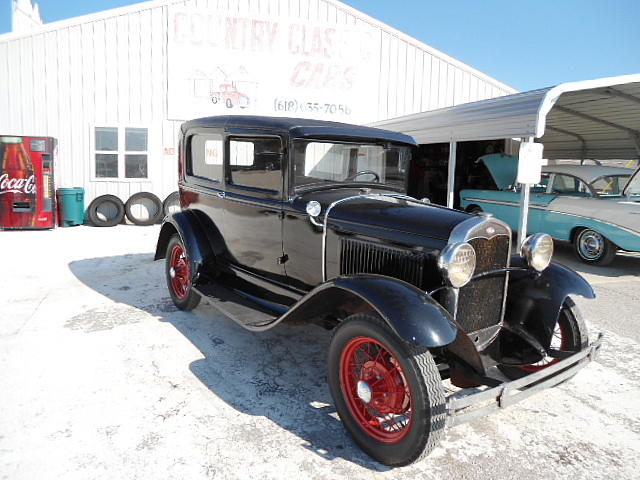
column 221, row 194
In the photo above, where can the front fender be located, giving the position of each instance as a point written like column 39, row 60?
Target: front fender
column 412, row 314
column 534, row 300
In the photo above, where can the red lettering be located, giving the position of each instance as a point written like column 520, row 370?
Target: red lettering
column 316, row 43
column 272, row 35
column 179, row 21
column 294, row 45
column 329, row 48
column 330, row 80
column 257, row 34
column 232, row 32
column 315, row 80
column 197, row 29
column 300, row 73
column 349, row 72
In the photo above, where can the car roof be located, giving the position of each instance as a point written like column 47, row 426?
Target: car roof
column 299, row 127
column 588, row 173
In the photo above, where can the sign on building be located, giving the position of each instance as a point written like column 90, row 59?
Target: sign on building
column 225, row 63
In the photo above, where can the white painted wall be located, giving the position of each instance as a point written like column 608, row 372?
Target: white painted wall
column 110, row 69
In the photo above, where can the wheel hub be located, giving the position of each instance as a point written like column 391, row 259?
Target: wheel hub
column 591, row 245
column 172, row 272
column 364, row 391
column 385, row 386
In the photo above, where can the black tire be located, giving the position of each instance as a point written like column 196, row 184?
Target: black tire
column 593, row 248
column 170, row 203
column 414, row 370
column 571, row 334
column 229, row 103
column 106, row 211
column 214, row 100
column 155, row 211
column 189, row 299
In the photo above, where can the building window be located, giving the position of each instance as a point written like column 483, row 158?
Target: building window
column 121, row 152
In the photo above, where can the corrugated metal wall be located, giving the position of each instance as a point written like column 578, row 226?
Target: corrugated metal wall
column 110, row 70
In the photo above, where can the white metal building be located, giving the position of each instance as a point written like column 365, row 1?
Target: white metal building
column 113, row 87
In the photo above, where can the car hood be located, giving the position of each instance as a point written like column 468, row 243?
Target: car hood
column 503, row 168
column 374, row 212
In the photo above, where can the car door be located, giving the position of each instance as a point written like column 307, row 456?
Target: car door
column 203, row 188
column 565, row 193
column 539, row 200
column 253, row 204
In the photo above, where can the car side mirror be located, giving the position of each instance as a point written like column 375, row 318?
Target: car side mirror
column 314, row 209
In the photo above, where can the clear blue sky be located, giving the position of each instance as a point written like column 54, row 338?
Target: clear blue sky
column 524, row 43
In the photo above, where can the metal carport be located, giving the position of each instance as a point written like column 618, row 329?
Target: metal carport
column 591, row 119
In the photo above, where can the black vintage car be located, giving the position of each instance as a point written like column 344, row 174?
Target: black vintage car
column 434, row 321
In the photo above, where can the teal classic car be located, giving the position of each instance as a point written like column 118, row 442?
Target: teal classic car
column 595, row 207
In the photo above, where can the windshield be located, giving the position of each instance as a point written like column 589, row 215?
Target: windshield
column 610, row 185
column 326, row 163
column 633, row 187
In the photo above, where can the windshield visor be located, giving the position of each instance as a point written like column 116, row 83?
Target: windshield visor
column 318, row 164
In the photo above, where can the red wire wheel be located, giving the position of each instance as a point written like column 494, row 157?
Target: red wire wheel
column 179, row 271
column 559, row 341
column 569, row 335
column 375, row 389
column 178, row 275
column 387, row 392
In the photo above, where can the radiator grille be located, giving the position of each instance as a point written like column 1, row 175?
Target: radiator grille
column 480, row 302
column 364, row 257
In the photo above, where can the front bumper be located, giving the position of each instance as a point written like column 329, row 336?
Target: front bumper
column 469, row 404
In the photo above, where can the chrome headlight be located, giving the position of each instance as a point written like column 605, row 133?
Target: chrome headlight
column 537, row 250
column 457, row 262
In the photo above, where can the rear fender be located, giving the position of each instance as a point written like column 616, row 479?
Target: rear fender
column 412, row 314
column 534, row 300
column 198, row 241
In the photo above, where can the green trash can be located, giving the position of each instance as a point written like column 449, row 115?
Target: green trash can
column 71, row 206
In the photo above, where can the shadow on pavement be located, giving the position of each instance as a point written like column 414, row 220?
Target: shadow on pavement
column 279, row 374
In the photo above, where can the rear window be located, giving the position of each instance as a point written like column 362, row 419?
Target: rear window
column 206, row 154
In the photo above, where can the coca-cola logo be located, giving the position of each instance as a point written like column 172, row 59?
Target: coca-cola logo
column 17, row 185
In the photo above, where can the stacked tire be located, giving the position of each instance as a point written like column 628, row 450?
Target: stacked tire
column 106, row 211
column 143, row 208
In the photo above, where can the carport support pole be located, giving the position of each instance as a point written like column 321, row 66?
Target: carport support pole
column 451, row 174
column 525, row 188
column 524, row 213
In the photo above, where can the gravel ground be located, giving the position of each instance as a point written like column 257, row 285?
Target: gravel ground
column 101, row 377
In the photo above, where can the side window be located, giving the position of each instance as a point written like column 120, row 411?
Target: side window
column 256, row 163
column 206, row 154
column 542, row 186
column 569, row 185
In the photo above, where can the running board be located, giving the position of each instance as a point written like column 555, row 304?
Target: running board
column 240, row 308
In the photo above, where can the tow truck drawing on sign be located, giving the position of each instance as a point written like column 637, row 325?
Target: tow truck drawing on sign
column 230, row 96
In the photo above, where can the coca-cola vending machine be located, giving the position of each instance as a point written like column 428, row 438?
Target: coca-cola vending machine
column 27, row 193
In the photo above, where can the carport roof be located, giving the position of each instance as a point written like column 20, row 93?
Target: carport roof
column 597, row 119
